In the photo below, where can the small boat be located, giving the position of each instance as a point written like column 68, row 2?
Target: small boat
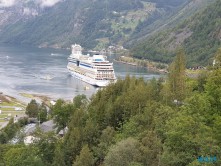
column 47, row 77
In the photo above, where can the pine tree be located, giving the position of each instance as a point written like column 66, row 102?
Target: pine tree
column 177, row 76
column 42, row 113
column 59, row 155
column 32, row 109
column 85, row 158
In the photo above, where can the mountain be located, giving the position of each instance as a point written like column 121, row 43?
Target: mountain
column 12, row 11
column 92, row 23
column 200, row 35
column 157, row 25
column 151, row 26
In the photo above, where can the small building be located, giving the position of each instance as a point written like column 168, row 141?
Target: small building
column 29, row 140
column 52, row 102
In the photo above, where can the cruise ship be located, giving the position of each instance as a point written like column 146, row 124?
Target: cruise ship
column 95, row 70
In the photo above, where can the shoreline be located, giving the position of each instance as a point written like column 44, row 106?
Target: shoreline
column 154, row 69
column 23, row 98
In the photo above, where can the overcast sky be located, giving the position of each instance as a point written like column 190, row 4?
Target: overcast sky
column 6, row 3
column 42, row 3
column 48, row 3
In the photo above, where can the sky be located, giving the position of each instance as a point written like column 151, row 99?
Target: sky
column 7, row 3
column 41, row 3
column 47, row 3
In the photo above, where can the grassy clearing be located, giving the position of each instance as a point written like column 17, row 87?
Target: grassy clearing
column 198, row 71
column 131, row 19
column 7, row 109
column 10, row 103
column 11, row 108
column 3, row 115
column 27, row 95
column 6, row 104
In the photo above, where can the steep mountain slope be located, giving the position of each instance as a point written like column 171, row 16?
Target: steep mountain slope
column 19, row 12
column 152, row 25
column 200, row 36
column 94, row 23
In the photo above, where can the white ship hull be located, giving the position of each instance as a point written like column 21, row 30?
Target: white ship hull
column 100, row 83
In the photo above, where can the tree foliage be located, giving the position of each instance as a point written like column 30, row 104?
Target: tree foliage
column 35, row 110
column 22, row 156
column 132, row 122
column 124, row 153
column 85, row 158
column 32, row 109
column 177, row 76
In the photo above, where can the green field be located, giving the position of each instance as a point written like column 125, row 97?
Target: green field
column 8, row 108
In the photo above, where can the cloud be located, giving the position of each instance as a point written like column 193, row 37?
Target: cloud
column 41, row 3
column 7, row 3
column 47, row 3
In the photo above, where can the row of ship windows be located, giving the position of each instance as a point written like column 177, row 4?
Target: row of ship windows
column 99, row 67
column 105, row 71
column 105, row 77
column 104, row 74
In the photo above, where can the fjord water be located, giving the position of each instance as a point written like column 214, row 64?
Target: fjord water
column 25, row 69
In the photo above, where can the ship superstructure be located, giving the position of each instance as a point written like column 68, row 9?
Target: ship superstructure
column 95, row 70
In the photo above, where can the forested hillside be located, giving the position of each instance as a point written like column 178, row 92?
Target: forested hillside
column 90, row 23
column 198, row 35
column 173, row 121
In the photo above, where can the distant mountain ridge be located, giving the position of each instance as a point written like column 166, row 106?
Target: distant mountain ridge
column 12, row 12
column 96, row 23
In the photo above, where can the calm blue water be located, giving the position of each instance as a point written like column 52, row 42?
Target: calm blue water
column 26, row 69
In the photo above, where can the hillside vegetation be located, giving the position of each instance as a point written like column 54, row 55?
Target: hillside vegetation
column 198, row 35
column 91, row 23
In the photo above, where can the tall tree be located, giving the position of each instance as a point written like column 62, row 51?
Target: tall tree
column 59, row 154
column 46, row 145
column 124, row 152
column 62, row 113
column 213, row 90
column 74, row 138
column 85, row 158
column 42, row 113
column 32, row 109
column 177, row 75
column 80, row 101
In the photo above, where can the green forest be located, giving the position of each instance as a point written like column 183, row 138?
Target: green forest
column 199, row 35
column 171, row 121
